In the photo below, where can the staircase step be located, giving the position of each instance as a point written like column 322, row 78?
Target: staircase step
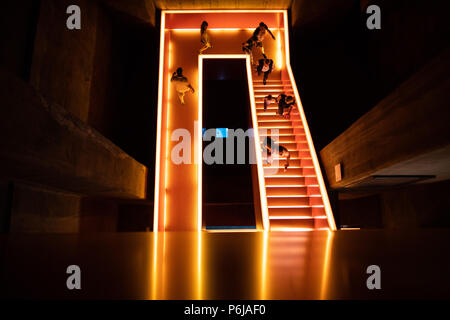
column 264, row 130
column 272, row 85
column 261, row 94
column 299, row 211
column 279, row 170
column 291, row 223
column 294, row 156
column 297, row 191
column 281, row 139
column 271, row 117
column 293, row 163
column 288, row 201
column 281, row 124
column 270, row 81
column 288, row 180
column 321, row 223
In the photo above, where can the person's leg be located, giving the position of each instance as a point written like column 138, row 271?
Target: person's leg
column 181, row 96
column 280, row 109
column 206, row 46
column 288, row 157
column 266, row 75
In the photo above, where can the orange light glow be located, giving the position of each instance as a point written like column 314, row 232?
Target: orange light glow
column 158, row 130
column 224, row 11
column 200, row 143
column 326, row 266
column 323, row 190
column 217, row 29
column 260, row 169
column 172, row 23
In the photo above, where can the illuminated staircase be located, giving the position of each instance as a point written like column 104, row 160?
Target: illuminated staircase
column 293, row 197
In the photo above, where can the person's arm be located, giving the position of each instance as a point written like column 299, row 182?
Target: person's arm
column 270, row 32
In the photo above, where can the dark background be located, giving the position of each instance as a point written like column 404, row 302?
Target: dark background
column 227, row 188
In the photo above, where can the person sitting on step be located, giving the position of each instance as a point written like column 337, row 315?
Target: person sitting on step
column 285, row 103
column 273, row 148
column 268, row 100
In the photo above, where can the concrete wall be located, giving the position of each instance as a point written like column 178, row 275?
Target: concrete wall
column 18, row 26
column 411, row 121
column 407, row 207
column 44, row 144
column 92, row 94
column 63, row 59
column 37, row 210
column 343, row 69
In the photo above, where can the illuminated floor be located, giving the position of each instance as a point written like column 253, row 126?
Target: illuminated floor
column 306, row 265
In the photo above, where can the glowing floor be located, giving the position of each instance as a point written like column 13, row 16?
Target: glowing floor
column 255, row 265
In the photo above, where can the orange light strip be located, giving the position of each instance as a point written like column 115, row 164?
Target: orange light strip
column 225, row 11
column 323, row 190
column 199, row 266
column 154, row 283
column 326, row 264
column 292, row 229
column 261, row 179
column 264, row 266
column 262, row 188
column 296, row 217
column 200, row 143
column 231, row 230
column 158, row 128
column 216, row 29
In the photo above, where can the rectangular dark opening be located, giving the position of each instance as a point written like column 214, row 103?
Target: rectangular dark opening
column 227, row 188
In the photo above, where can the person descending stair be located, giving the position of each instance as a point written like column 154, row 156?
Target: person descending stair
column 268, row 100
column 256, row 40
column 265, row 66
column 182, row 84
column 259, row 34
column 285, row 103
column 272, row 148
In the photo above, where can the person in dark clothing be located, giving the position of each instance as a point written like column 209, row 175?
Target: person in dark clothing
column 265, row 66
column 259, row 34
column 256, row 40
column 273, row 148
column 268, row 100
column 285, row 102
column 247, row 47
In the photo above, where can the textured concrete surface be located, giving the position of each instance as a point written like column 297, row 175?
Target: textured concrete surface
column 45, row 144
column 63, row 59
column 412, row 121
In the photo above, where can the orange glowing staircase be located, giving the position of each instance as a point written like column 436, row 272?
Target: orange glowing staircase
column 294, row 200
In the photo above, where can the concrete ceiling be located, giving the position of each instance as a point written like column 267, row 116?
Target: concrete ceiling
column 223, row 4
column 304, row 12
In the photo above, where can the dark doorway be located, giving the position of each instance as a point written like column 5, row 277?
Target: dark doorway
column 227, row 188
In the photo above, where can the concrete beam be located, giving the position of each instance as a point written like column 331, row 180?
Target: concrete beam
column 411, row 122
column 45, row 144
column 222, row 4
column 323, row 12
column 142, row 10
